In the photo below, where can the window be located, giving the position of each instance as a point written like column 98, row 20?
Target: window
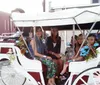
column 95, row 1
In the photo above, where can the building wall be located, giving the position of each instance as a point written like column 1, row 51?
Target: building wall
column 95, row 1
column 5, row 25
column 67, row 3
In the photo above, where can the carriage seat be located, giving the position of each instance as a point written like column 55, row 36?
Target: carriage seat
column 79, row 66
column 28, row 64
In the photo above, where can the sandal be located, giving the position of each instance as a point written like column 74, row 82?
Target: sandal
column 62, row 77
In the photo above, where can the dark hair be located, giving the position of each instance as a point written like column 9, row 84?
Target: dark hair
column 53, row 29
column 57, row 36
column 75, row 37
column 80, row 35
column 38, row 28
column 92, row 35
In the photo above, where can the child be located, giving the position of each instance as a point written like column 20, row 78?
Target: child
column 69, row 50
column 90, row 52
column 77, row 43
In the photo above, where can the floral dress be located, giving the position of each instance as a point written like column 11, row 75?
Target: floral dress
column 51, row 66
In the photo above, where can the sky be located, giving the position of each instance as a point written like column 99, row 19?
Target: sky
column 32, row 6
column 27, row 5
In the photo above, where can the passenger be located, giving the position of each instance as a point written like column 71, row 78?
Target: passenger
column 86, row 54
column 75, row 40
column 39, row 52
column 53, row 47
column 31, row 53
column 71, row 48
column 89, row 51
column 20, row 43
column 77, row 44
column 77, row 47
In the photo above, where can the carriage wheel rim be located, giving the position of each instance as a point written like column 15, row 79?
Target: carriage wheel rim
column 90, row 71
column 11, row 77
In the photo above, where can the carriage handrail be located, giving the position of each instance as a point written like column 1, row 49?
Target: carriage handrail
column 83, row 65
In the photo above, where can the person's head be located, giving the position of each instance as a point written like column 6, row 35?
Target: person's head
column 80, row 39
column 54, row 32
column 91, row 39
column 39, row 32
column 75, row 40
column 28, row 39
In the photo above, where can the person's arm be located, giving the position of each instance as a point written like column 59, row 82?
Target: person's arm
column 58, row 48
column 79, row 58
column 33, row 44
column 56, row 54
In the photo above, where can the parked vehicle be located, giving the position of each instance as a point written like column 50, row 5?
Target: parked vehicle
column 82, row 19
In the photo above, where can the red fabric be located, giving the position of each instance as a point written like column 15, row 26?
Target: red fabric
column 80, row 82
column 44, row 68
column 4, row 50
column 36, row 75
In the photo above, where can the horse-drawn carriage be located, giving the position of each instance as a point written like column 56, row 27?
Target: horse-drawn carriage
column 14, row 67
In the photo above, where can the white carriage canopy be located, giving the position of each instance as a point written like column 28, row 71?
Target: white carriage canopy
column 76, row 18
column 63, row 19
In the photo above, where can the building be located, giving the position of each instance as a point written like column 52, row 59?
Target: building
column 6, row 26
column 56, row 5
column 95, row 1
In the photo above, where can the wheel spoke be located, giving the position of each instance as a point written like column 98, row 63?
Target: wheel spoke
column 83, row 81
column 93, row 77
column 11, row 77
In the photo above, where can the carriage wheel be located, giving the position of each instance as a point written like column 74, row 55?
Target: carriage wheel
column 88, row 77
column 10, row 77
